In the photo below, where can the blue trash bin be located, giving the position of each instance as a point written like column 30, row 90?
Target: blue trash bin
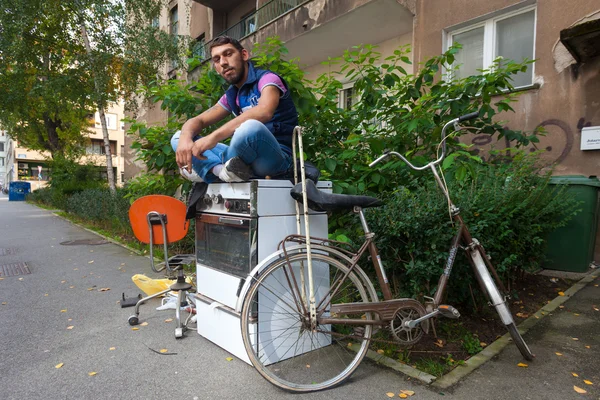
column 18, row 190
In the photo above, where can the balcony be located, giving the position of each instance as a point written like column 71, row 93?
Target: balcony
column 220, row 5
column 316, row 29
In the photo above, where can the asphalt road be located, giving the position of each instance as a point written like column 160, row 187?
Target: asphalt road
column 62, row 291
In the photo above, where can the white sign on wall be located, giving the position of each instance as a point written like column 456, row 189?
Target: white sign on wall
column 590, row 138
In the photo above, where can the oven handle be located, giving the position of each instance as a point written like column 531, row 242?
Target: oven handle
column 233, row 221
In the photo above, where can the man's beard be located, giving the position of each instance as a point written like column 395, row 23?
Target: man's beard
column 237, row 76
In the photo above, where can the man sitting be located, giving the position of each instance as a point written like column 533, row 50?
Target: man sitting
column 261, row 132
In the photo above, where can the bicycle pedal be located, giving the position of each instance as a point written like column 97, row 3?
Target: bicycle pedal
column 448, row 311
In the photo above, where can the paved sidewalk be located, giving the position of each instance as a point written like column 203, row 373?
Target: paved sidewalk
column 41, row 306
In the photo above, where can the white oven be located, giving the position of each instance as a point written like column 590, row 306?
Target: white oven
column 239, row 225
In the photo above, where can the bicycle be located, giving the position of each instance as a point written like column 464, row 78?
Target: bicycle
column 307, row 329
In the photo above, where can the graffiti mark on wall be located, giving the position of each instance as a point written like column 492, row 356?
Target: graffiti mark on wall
column 556, row 143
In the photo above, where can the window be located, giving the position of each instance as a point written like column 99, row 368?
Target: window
column 1, row 146
column 199, row 47
column 174, row 30
column 1, row 161
column 511, row 36
column 96, row 146
column 111, row 121
column 155, row 23
column 347, row 98
column 248, row 23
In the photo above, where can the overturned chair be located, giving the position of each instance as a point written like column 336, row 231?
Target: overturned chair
column 156, row 220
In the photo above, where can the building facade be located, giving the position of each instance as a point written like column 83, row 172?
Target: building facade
column 3, row 153
column 31, row 166
column 560, row 92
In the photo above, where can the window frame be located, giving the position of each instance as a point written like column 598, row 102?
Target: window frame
column 488, row 22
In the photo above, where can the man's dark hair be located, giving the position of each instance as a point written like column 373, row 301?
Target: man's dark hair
column 222, row 40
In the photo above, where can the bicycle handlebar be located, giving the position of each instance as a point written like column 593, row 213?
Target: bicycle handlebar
column 454, row 122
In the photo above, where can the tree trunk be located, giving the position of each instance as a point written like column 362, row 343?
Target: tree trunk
column 101, row 106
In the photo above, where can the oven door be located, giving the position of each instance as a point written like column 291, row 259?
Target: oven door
column 226, row 243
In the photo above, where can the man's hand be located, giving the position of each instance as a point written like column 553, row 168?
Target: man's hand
column 183, row 155
column 203, row 144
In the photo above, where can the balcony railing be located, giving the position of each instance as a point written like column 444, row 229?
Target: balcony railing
column 261, row 17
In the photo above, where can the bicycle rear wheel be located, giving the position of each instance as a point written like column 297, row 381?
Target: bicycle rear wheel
column 497, row 300
column 276, row 328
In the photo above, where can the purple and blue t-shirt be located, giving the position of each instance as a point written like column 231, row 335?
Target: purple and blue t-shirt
column 268, row 79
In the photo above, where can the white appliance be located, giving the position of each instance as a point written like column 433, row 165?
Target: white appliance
column 239, row 225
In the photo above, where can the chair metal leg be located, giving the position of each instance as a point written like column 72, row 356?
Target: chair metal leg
column 179, row 329
column 134, row 320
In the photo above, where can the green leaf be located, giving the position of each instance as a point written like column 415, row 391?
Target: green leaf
column 330, row 164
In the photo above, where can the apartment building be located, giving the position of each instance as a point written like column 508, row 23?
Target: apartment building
column 560, row 92
column 3, row 152
column 31, row 166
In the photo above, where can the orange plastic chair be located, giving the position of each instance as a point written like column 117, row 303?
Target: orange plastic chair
column 158, row 219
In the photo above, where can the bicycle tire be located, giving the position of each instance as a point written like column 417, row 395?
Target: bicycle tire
column 285, row 352
column 493, row 294
column 519, row 342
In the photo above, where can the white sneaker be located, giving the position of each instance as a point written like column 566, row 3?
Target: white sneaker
column 235, row 170
column 190, row 176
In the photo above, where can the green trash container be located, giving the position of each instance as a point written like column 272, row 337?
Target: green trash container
column 571, row 248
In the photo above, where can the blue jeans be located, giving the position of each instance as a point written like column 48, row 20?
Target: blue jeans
column 253, row 143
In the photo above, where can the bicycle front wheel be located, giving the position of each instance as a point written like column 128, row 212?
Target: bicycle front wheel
column 276, row 328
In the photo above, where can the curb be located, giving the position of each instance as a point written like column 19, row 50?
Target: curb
column 496, row 347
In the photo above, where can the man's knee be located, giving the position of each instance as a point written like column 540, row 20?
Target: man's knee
column 249, row 128
column 175, row 140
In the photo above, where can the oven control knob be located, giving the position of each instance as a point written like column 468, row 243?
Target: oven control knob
column 227, row 204
column 217, row 198
column 207, row 200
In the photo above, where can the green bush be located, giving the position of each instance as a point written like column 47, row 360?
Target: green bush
column 509, row 207
column 102, row 207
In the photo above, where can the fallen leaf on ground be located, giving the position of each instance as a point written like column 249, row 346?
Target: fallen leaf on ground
column 135, row 329
column 104, row 289
column 59, row 365
column 169, row 320
column 163, row 350
column 574, row 374
column 112, row 348
column 91, row 251
column 482, row 344
column 554, row 280
column 307, row 365
column 4, row 303
column 63, row 281
column 65, row 310
column 380, row 351
column 45, row 294
column 144, row 324
column 596, row 309
column 90, row 288
column 70, row 327
column 229, row 358
column 575, row 314
column 587, row 347
column 439, row 343
column 390, row 394
column 522, row 365
column 587, row 382
column 561, row 306
column 403, row 395
column 575, row 338
column 558, row 354
column 522, row 315
column 20, row 279
column 71, row 287
column 561, row 293
column 579, row 390
column 75, row 269
column 407, row 392
column 91, row 262
column 91, row 373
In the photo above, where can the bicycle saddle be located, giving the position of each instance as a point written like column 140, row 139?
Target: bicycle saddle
column 321, row 201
